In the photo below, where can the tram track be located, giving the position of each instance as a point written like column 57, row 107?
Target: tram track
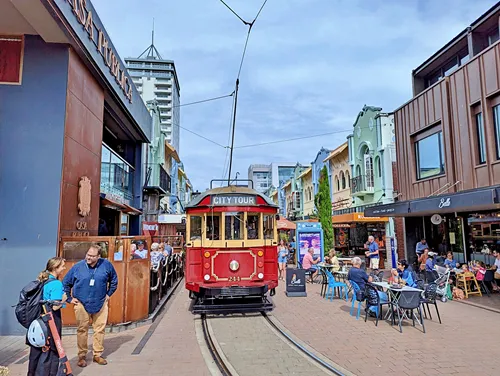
column 244, row 348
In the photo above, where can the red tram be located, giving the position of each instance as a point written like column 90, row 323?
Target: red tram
column 231, row 240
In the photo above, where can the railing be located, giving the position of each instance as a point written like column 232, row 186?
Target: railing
column 117, row 178
column 362, row 183
column 157, row 176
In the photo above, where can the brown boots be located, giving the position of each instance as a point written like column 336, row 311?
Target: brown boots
column 82, row 361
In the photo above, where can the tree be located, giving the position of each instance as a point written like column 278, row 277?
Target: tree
column 324, row 207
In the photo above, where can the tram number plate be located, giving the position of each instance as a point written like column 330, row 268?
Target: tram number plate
column 234, row 279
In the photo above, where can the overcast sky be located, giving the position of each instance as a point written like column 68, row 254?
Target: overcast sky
column 310, row 67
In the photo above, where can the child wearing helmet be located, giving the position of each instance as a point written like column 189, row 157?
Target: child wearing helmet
column 40, row 362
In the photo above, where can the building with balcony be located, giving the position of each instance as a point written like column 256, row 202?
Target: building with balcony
column 448, row 147
column 66, row 96
column 371, row 154
column 156, row 79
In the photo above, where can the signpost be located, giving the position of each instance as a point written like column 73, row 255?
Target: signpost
column 393, row 253
column 295, row 282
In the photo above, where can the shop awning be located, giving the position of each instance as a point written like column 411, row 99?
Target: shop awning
column 111, row 203
column 472, row 200
column 131, row 210
column 336, row 152
column 285, row 224
column 356, row 218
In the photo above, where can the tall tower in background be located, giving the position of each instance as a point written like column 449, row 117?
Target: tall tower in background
column 156, row 79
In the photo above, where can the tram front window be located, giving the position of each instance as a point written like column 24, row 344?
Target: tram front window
column 268, row 226
column 213, row 226
column 195, row 227
column 234, row 226
column 253, row 226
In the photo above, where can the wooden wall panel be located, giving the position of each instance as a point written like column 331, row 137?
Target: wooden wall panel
column 82, row 146
column 474, row 80
column 490, row 71
column 453, row 102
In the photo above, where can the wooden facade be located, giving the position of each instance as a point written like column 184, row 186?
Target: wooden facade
column 451, row 105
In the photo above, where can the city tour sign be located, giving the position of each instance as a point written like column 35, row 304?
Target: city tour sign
column 233, row 200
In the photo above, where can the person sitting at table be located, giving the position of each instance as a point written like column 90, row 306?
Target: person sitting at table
column 333, row 260
column 359, row 276
column 309, row 264
column 450, row 263
column 404, row 273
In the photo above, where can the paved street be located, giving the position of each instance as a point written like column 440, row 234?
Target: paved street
column 171, row 350
column 455, row 347
column 459, row 346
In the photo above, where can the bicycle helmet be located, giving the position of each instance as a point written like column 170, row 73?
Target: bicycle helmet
column 37, row 333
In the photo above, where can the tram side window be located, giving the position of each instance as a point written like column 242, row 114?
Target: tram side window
column 195, row 230
column 234, row 226
column 213, row 226
column 269, row 227
column 253, row 226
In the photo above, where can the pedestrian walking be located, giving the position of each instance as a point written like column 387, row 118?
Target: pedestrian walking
column 89, row 284
column 43, row 362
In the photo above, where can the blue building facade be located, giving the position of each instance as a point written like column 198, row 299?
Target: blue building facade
column 317, row 165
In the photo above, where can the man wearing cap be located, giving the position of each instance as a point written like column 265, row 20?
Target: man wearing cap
column 140, row 252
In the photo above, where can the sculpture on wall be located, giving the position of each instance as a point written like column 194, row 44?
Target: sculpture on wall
column 84, row 196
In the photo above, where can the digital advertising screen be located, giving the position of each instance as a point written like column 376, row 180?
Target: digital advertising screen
column 307, row 240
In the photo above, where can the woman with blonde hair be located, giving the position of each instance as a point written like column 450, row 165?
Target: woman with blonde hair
column 40, row 362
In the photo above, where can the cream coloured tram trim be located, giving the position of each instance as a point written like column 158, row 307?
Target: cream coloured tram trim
column 222, row 243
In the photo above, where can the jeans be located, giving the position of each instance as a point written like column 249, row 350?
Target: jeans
column 383, row 299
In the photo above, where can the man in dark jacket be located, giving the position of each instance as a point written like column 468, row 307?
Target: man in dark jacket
column 89, row 284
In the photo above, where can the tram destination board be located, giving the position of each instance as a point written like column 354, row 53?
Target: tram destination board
column 233, row 200
column 295, row 282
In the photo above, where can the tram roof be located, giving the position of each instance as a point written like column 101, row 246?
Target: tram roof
column 229, row 190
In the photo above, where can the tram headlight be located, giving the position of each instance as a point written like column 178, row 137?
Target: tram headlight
column 260, row 253
column 207, row 254
column 206, row 277
column 260, row 275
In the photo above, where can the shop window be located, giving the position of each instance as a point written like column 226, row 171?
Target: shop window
column 213, row 226
column 429, row 155
column 76, row 250
column 481, row 142
column 253, row 224
column 269, row 226
column 234, row 226
column 195, row 223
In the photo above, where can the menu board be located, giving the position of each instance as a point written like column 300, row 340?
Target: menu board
column 11, row 58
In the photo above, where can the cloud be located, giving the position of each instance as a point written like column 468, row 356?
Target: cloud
column 310, row 67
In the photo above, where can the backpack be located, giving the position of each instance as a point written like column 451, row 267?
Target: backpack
column 29, row 308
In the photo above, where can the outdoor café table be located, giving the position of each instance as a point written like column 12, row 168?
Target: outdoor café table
column 393, row 293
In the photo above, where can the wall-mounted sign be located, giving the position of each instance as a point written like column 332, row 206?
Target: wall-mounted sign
column 84, row 196
column 11, row 59
column 84, row 16
column 233, row 200
column 436, row 219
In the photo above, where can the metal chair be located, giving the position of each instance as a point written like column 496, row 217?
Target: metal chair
column 488, row 278
column 409, row 301
column 430, row 294
column 373, row 300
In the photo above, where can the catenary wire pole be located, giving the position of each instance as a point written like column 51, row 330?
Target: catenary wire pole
column 233, row 128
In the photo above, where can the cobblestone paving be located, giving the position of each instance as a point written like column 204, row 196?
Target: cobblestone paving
column 462, row 345
column 253, row 348
column 172, row 350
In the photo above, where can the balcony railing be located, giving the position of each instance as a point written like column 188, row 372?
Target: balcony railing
column 362, row 184
column 117, row 179
column 157, row 176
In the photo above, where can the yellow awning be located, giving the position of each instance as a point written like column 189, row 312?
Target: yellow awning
column 170, row 150
column 336, row 152
column 357, row 217
column 308, row 170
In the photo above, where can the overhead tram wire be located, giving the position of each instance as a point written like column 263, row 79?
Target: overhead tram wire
column 205, row 100
column 250, row 25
